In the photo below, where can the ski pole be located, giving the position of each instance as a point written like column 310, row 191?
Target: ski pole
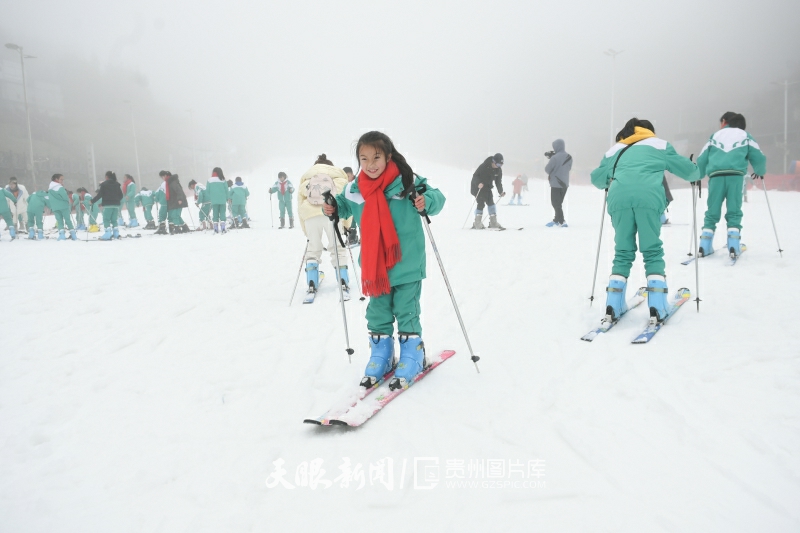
column 599, row 240
column 271, row 215
column 190, row 216
column 355, row 274
column 696, row 251
column 471, row 207
column 297, row 280
column 334, row 218
column 427, row 223
column 764, row 185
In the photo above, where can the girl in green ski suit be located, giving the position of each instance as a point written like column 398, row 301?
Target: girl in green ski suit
column 284, row 189
column 217, row 191
column 392, row 254
column 37, row 201
column 60, row 205
column 633, row 172
column 5, row 212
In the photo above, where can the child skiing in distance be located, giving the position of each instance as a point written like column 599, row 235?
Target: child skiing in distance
column 37, row 201
column 323, row 177
column 635, row 202
column 517, row 184
column 724, row 159
column 146, row 200
column 238, row 195
column 110, row 193
column 392, row 253
column 59, row 204
column 217, row 190
column 202, row 203
column 284, row 189
column 129, row 192
column 5, row 211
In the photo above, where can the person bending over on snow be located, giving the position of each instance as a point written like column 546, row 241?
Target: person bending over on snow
column 146, row 200
column 557, row 170
column 37, row 201
column 60, row 206
column 238, row 195
column 487, row 175
column 217, row 191
column 322, row 177
column 91, row 210
column 20, row 209
column 724, row 159
column 176, row 201
column 633, row 171
column 392, row 253
column 6, row 213
column 111, row 195
column 201, row 201
column 284, row 189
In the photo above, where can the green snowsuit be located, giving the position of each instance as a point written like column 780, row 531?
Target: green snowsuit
column 91, row 209
column 5, row 212
column 238, row 195
column 76, row 205
column 130, row 200
column 636, row 196
column 285, row 199
column 37, row 201
column 202, row 202
column 724, row 159
column 160, row 196
column 405, row 278
column 146, row 200
column 59, row 205
column 217, row 192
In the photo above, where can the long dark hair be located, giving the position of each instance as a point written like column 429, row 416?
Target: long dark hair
column 382, row 142
column 630, row 128
column 220, row 175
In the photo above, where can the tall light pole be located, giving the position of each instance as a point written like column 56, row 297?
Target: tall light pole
column 191, row 125
column 22, row 58
column 613, row 54
column 786, row 84
column 135, row 145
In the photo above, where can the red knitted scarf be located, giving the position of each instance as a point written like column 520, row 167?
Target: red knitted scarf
column 380, row 247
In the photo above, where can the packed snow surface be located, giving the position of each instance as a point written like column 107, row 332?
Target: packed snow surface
column 160, row 384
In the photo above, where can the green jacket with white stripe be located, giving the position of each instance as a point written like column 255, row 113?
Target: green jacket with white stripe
column 727, row 153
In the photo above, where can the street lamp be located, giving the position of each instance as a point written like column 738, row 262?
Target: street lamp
column 22, row 58
column 191, row 125
column 135, row 145
column 613, row 54
column 786, row 84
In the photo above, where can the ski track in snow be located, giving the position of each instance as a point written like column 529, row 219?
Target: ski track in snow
column 149, row 384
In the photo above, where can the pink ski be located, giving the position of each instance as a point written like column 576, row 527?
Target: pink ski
column 346, row 403
column 364, row 409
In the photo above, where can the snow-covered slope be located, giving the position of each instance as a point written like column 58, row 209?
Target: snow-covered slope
column 152, row 384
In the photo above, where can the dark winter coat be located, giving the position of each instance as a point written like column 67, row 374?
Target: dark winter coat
column 559, row 166
column 488, row 176
column 177, row 196
column 667, row 192
column 110, row 192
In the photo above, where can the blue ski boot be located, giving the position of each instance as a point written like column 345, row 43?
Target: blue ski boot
column 31, row 234
column 657, row 298
column 345, row 279
column 381, row 359
column 615, row 297
column 133, row 223
column 706, row 239
column 120, row 221
column 82, row 227
column 312, row 275
column 116, row 233
column 61, row 235
column 11, row 230
column 552, row 223
column 41, row 234
column 734, row 242
column 412, row 360
column 72, row 235
column 107, row 235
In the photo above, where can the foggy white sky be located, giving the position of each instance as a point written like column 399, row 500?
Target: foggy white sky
column 448, row 80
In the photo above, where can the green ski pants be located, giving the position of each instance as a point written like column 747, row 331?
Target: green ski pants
column 110, row 216
column 401, row 303
column 148, row 212
column 238, row 211
column 162, row 212
column 285, row 204
column 647, row 224
column 8, row 217
column 131, row 204
column 205, row 212
column 174, row 216
column 35, row 220
column 62, row 216
column 219, row 212
column 729, row 190
column 79, row 217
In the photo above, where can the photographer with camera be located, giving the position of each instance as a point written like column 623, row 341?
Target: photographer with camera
column 558, row 174
column 486, row 176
